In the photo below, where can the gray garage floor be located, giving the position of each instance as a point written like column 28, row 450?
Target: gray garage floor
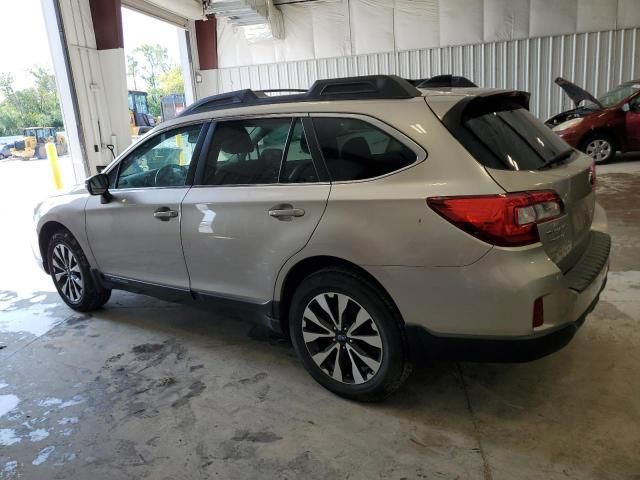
column 146, row 389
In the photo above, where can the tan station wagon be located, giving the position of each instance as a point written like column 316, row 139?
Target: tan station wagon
column 371, row 221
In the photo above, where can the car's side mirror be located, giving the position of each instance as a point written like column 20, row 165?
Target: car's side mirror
column 626, row 107
column 99, row 185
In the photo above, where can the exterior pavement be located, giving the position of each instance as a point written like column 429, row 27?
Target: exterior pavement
column 147, row 389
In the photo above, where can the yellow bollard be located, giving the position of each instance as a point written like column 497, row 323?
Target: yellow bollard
column 52, row 155
column 180, row 145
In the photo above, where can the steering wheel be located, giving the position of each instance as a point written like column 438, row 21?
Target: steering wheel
column 171, row 175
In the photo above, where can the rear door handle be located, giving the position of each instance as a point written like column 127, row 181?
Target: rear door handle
column 165, row 214
column 285, row 212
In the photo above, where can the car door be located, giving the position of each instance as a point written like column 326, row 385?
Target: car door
column 136, row 235
column 632, row 121
column 256, row 202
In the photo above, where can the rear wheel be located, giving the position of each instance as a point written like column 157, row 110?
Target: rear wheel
column 71, row 274
column 348, row 335
column 601, row 147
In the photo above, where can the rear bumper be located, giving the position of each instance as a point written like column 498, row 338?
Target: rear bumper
column 423, row 345
column 484, row 311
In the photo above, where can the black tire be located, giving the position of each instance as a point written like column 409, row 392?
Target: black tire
column 90, row 296
column 602, row 147
column 394, row 365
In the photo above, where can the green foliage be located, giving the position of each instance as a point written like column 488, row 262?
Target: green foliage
column 151, row 64
column 37, row 106
column 133, row 69
column 172, row 81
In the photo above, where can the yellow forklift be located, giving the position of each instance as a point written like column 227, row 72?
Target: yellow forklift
column 34, row 143
column 140, row 121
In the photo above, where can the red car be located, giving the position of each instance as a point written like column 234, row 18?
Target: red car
column 600, row 126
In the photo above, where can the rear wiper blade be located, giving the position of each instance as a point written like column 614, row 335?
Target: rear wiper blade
column 556, row 158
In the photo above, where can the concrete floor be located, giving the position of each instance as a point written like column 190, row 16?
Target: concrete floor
column 146, row 389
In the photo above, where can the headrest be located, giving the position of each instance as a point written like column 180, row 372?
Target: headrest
column 356, row 148
column 271, row 155
column 234, row 139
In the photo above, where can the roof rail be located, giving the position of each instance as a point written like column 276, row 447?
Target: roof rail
column 372, row 87
column 280, row 90
column 447, row 81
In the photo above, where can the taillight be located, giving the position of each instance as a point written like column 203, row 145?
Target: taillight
column 507, row 220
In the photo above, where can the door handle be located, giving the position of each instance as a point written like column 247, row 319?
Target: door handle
column 285, row 212
column 165, row 214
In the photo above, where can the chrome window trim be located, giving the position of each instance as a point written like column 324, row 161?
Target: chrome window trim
column 279, row 184
column 421, row 153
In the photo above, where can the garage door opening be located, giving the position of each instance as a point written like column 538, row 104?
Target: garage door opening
column 155, row 70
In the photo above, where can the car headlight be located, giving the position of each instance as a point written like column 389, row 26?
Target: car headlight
column 567, row 124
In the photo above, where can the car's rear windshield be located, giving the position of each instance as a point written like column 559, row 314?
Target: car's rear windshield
column 510, row 138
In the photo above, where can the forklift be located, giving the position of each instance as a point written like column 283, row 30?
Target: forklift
column 140, row 121
column 35, row 140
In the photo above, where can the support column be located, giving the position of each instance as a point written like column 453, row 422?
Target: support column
column 90, row 66
column 207, row 46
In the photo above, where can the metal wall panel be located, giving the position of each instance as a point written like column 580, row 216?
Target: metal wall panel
column 597, row 61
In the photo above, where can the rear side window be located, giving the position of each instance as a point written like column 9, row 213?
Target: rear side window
column 247, row 152
column 510, row 139
column 356, row 150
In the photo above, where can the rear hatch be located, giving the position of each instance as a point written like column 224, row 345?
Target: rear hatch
column 521, row 154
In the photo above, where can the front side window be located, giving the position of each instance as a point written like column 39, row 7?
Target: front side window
column 356, row 150
column 247, row 152
column 162, row 161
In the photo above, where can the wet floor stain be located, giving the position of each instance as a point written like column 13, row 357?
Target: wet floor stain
column 43, row 455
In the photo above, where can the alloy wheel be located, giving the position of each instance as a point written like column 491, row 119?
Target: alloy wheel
column 67, row 273
column 599, row 150
column 342, row 338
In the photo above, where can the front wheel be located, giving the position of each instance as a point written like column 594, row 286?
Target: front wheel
column 71, row 274
column 348, row 335
column 600, row 147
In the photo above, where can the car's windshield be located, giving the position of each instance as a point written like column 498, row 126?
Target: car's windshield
column 618, row 94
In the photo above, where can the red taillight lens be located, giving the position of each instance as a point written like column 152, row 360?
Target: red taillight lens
column 538, row 313
column 507, row 220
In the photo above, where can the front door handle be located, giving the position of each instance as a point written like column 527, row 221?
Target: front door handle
column 165, row 214
column 285, row 212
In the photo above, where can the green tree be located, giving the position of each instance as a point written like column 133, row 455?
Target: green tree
column 132, row 70
column 37, row 106
column 172, row 81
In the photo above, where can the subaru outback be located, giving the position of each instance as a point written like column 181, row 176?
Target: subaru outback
column 371, row 221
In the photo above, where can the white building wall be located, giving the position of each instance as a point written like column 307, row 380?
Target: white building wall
column 334, row 28
column 596, row 61
column 520, row 44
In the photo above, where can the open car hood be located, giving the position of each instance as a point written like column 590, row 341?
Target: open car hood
column 576, row 93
